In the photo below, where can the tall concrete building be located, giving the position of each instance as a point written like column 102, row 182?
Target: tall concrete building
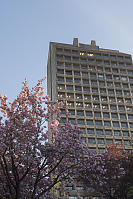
column 96, row 85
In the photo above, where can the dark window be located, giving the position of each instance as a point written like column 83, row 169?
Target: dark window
column 112, row 107
column 125, row 133
column 122, row 116
column 102, row 90
column 89, row 122
column 98, row 123
column 90, row 131
column 118, row 92
column 124, row 124
column 81, row 122
column 87, row 89
column 101, row 83
column 78, row 88
column 69, row 80
column 97, row 114
column 72, row 112
column 108, row 76
column 131, row 125
column 69, row 87
column 110, row 91
column 106, row 115
column 106, row 123
column 121, row 108
column 83, row 66
column 84, row 74
column 77, row 81
column 114, row 70
column 85, row 81
column 117, row 133
column 109, row 141
column 117, row 85
column 114, row 115
column 61, row 79
column 81, row 113
column 109, row 84
column 94, row 90
column 76, row 73
column 69, row 72
column 108, row 132
column 100, row 141
column 93, row 75
column 130, row 117
column 99, row 131
column 115, row 124
column 91, row 141
column 88, row 113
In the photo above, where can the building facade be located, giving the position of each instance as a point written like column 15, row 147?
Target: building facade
column 97, row 87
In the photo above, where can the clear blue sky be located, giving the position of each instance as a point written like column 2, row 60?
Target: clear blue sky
column 27, row 27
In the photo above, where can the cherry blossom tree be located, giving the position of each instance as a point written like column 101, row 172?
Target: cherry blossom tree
column 34, row 159
column 110, row 174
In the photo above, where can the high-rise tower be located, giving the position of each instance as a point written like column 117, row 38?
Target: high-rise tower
column 97, row 86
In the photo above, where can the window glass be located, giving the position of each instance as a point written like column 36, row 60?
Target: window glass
column 77, row 81
column 61, row 79
column 90, row 131
column 68, row 72
column 122, row 116
column 89, row 122
column 114, row 115
column 124, row 124
column 91, row 141
column 99, row 131
column 88, row 113
column 97, row 114
column 100, row 141
column 106, row 123
column 108, row 132
column 78, row 88
column 115, row 124
column 108, row 141
column 69, row 87
column 125, row 133
column 81, row 113
column 81, row 122
column 98, row 123
column 106, row 115
column 76, row 73
column 117, row 133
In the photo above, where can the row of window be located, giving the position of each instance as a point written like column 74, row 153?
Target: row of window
column 91, row 54
column 94, row 90
column 99, row 76
column 96, row 106
column 99, row 69
column 63, row 95
column 99, row 123
column 99, row 83
column 107, row 132
column 92, row 59
column 104, row 141
column 99, row 114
